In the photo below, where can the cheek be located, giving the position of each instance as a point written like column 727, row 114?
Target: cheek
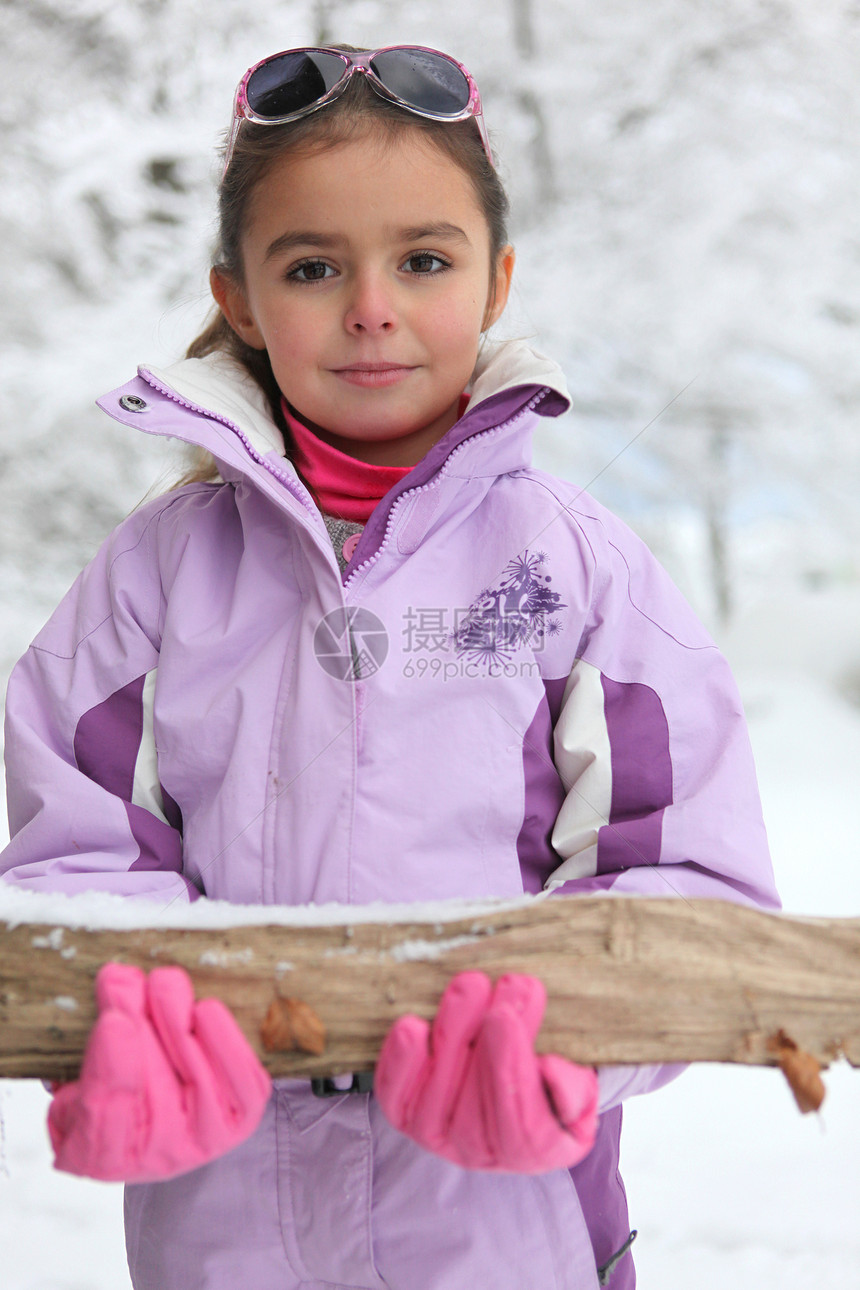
column 293, row 335
column 456, row 325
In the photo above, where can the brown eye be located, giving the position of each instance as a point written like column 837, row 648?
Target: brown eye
column 310, row 271
column 425, row 263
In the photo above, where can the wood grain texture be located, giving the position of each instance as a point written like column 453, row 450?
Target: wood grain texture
column 629, row 980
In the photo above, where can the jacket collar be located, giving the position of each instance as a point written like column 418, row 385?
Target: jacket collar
column 506, row 376
column 505, row 365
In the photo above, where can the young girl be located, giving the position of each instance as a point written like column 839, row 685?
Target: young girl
column 366, row 652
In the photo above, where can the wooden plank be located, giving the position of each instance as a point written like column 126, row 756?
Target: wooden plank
column 629, row 980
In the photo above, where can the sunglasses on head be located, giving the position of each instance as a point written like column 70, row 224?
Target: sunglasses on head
column 287, row 86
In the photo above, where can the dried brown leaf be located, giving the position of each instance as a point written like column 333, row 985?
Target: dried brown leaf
column 276, row 1031
column 308, row 1029
column 802, row 1071
column 291, row 1024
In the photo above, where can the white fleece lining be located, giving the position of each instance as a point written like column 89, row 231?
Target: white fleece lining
column 584, row 760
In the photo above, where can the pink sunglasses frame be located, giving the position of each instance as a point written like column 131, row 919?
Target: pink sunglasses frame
column 352, row 63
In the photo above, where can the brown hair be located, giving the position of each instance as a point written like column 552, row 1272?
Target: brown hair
column 259, row 147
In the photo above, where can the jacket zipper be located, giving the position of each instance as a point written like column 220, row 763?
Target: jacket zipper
column 431, row 483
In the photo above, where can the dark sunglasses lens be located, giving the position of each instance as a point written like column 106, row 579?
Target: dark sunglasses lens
column 424, row 80
column 292, row 82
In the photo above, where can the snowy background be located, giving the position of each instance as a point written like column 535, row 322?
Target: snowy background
column 685, row 183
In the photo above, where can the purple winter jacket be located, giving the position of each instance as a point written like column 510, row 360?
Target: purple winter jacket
column 503, row 692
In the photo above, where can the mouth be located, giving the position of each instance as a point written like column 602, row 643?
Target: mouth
column 373, row 375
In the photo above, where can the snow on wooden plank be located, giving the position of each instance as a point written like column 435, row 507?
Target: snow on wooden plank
column 629, row 980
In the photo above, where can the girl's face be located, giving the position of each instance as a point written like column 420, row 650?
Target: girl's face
column 368, row 281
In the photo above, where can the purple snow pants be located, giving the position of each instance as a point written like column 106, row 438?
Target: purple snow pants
column 327, row 1196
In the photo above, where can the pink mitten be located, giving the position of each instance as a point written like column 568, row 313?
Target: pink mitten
column 472, row 1088
column 166, row 1084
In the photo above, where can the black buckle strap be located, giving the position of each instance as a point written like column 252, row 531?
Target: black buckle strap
column 604, row 1273
column 362, row 1082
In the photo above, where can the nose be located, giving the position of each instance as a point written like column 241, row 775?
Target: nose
column 370, row 309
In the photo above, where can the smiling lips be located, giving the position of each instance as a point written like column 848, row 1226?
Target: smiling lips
column 373, row 375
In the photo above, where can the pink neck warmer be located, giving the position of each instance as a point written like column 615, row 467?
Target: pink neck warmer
column 345, row 486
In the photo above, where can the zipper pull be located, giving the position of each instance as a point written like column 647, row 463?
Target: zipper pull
column 604, row 1273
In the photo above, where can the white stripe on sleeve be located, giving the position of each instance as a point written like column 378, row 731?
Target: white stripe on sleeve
column 583, row 758
column 146, row 791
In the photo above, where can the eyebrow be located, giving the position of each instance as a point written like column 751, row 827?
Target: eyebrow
column 287, row 241
column 441, row 228
column 325, row 241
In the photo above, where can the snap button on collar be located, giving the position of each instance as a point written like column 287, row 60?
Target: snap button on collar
column 133, row 403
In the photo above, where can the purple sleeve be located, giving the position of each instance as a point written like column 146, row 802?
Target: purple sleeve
column 652, row 748
column 78, row 730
